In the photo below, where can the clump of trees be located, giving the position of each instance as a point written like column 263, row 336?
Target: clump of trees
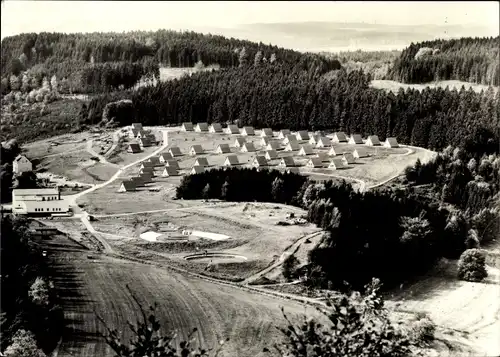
column 9, row 150
column 31, row 319
column 472, row 265
column 467, row 59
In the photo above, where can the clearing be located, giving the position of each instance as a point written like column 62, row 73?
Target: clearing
column 452, row 84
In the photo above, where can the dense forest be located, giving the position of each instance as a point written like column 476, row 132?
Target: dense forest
column 31, row 321
column 285, row 96
column 475, row 60
column 68, row 55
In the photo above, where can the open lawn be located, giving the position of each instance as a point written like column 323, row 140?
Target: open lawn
column 57, row 145
column 98, row 286
column 452, row 84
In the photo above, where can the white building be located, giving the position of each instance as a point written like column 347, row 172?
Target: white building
column 21, row 164
column 38, row 201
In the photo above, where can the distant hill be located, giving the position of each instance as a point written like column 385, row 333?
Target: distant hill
column 76, row 55
column 475, row 60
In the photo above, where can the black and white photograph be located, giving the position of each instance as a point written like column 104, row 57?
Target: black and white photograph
column 250, row 179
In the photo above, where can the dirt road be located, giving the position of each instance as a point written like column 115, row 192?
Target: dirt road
column 88, row 285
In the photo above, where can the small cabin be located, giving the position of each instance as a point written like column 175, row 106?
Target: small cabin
column 355, row 139
column 359, row 153
column 306, row 150
column 264, row 141
column 201, row 127
column 292, row 146
column 215, row 128
column 336, row 164
column 248, row 131
column 323, row 156
column 127, row 186
column 289, row 139
column 21, row 164
column 134, row 148
column 155, row 160
column 267, row 133
column 165, row 156
column 348, row 159
column 231, row 160
column 232, row 129
column 172, row 163
column 339, row 137
column 323, row 142
column 145, row 142
column 271, row 155
column 314, row 162
column 334, row 151
column 169, row 171
column 248, row 147
column 188, row 126
column 239, row 142
column 373, row 141
column 273, row 145
column 302, row 135
column 391, row 143
column 201, row 161
column 175, row 151
column 259, row 161
column 287, row 162
column 196, row 150
column 284, row 133
column 197, row 170
column 223, row 149
column 313, row 140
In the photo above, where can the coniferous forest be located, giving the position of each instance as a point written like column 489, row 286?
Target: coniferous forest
column 475, row 60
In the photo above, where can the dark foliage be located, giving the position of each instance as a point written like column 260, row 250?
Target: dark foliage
column 473, row 60
column 472, row 265
column 9, row 151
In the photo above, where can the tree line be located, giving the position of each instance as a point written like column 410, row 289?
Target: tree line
column 475, row 60
column 31, row 320
column 285, row 96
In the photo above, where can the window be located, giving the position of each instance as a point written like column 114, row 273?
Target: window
column 43, row 198
column 48, row 209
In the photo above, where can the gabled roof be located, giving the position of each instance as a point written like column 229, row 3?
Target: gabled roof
column 201, row 127
column 196, row 149
column 145, row 141
column 233, row 129
column 306, row 150
column 248, row 130
column 166, row 156
column 272, row 145
column 292, row 146
column 373, row 140
column 146, row 163
column 336, row 163
column 283, row 133
column 201, row 161
column 175, row 151
column 248, row 147
column 232, row 160
column 172, row 163
column 238, row 142
column 314, row 162
column 347, row 157
column 294, row 170
column 188, row 126
column 155, row 160
column 169, row 171
column 137, row 181
column 215, row 127
column 146, row 177
column 334, row 151
column 134, row 148
column 266, row 132
column 128, row 185
column 314, row 139
column 197, row 170
column 339, row 137
column 19, row 157
column 223, row 148
column 260, row 161
column 360, row 152
column 287, row 161
column 271, row 154
column 302, row 135
column 142, row 133
column 36, row 191
column 355, row 139
column 136, row 126
column 323, row 142
column 391, row 142
column 289, row 138
column 323, row 156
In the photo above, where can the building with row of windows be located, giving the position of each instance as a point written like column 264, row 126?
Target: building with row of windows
column 38, row 201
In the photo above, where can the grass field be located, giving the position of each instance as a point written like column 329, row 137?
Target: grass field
column 98, row 286
column 452, row 84
column 56, row 145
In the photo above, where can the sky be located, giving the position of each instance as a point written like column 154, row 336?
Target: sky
column 19, row 16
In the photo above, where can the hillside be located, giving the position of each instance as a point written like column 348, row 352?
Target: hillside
column 121, row 59
column 475, row 60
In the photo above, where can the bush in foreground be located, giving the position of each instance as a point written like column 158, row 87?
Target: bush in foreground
column 472, row 265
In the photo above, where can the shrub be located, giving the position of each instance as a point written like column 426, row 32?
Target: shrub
column 23, row 345
column 472, row 265
column 289, row 266
column 422, row 330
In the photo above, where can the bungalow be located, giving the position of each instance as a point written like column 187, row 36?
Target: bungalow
column 391, row 143
column 155, row 160
column 267, row 132
column 201, row 161
column 248, row 147
column 292, row 146
column 215, row 128
column 21, row 164
column 248, row 131
column 372, row 140
column 146, row 177
column 196, row 150
column 201, row 127
column 264, row 141
column 306, row 150
column 145, row 142
column 223, row 149
column 283, row 133
column 339, row 137
column 313, row 140
column 231, row 160
column 169, row 171
column 232, row 129
column 323, row 156
column 259, row 161
column 148, row 170
column 302, row 135
column 334, row 151
column 336, row 164
column 197, row 170
column 323, row 142
column 142, row 134
column 145, row 164
column 289, row 138
column 175, row 151
column 359, row 152
column 273, row 145
column 314, row 162
column 188, row 126
column 132, row 134
column 138, row 181
column 287, row 161
column 136, row 126
column 165, row 156
column 271, row 155
column 239, row 142
column 292, row 170
column 355, row 139
column 134, row 148
column 38, row 201
column 348, row 159
column 127, row 186
column 172, row 163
